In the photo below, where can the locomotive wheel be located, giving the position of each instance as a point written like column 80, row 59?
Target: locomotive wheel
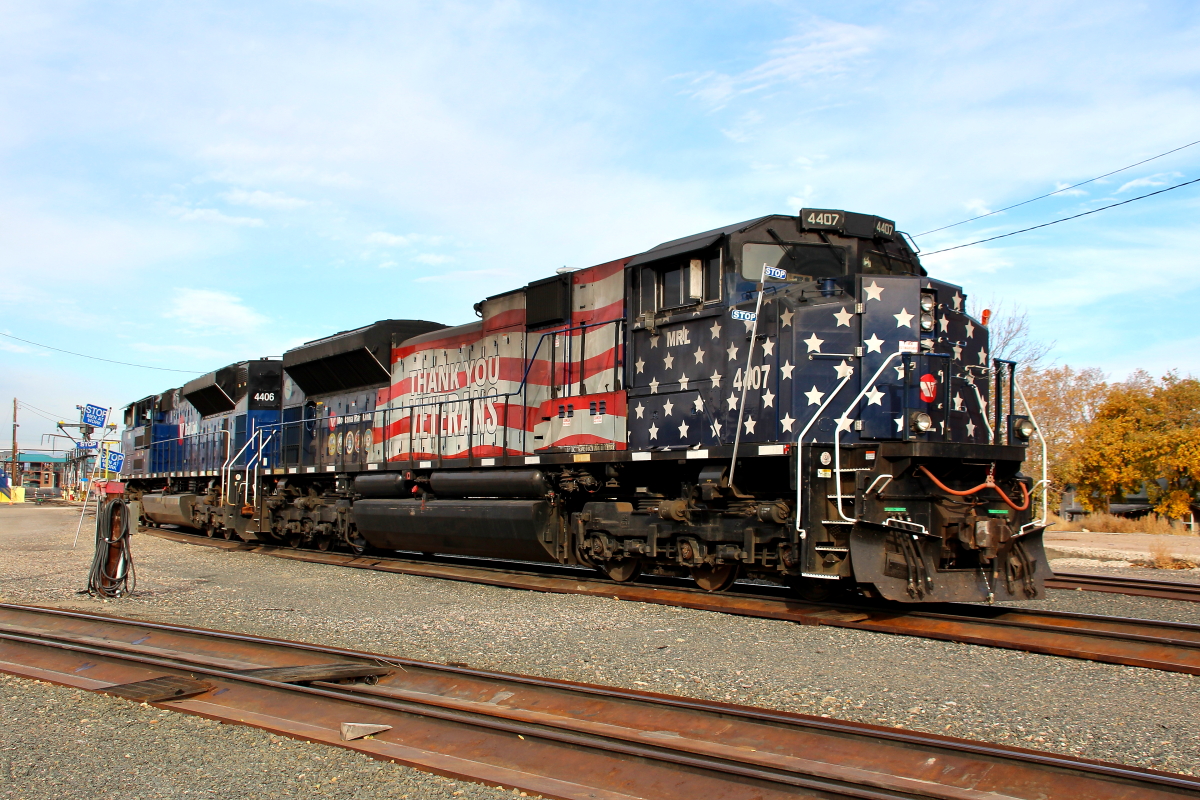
column 715, row 578
column 209, row 531
column 228, row 533
column 356, row 543
column 294, row 540
column 622, row 571
column 323, row 543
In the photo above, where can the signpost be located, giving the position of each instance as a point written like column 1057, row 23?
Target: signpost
column 95, row 416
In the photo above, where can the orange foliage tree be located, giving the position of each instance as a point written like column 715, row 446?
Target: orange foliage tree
column 1144, row 433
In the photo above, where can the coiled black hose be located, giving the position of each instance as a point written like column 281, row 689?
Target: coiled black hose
column 112, row 573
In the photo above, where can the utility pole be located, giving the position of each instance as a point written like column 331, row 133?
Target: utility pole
column 16, row 478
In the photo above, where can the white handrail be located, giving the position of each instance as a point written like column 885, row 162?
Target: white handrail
column 226, row 468
column 800, row 448
column 1045, row 481
column 837, row 435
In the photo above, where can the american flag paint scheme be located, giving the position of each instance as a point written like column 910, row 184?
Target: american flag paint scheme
column 790, row 398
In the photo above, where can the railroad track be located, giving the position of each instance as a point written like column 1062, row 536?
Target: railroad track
column 1142, row 587
column 1169, row 646
column 542, row 736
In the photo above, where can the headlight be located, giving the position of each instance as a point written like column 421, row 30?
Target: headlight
column 927, row 302
column 927, row 322
column 1024, row 428
column 920, row 421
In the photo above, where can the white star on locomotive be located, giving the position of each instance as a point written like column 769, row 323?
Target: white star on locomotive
column 983, row 358
column 899, row 372
column 768, row 347
column 874, row 397
column 699, row 354
column 750, row 423
column 683, row 383
column 814, row 396
column 768, row 399
column 957, row 301
column 668, row 361
column 843, row 423
column 872, row 292
column 785, row 319
column 683, row 429
column 958, row 402
column 814, row 344
column 843, row 317
column 903, row 319
column 716, row 380
column 716, row 330
column 970, row 429
column 844, row 370
column 640, row 409
column 667, row 407
column 639, row 365
column 654, row 386
column 957, row 352
column 899, row 424
column 716, row 429
column 944, row 324
column 698, row 403
column 787, row 423
column 732, row 401
column 654, row 341
column 732, row 352
column 786, row 370
column 653, row 431
column 970, row 329
column 873, row 344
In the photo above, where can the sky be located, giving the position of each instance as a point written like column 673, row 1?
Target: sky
column 183, row 186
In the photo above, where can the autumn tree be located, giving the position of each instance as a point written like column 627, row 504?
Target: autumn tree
column 1144, row 434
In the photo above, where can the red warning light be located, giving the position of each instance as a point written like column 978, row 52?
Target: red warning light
column 928, row 388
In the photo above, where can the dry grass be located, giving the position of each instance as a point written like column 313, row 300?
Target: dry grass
column 1107, row 523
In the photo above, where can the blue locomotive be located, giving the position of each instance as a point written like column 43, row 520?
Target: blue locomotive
column 789, row 398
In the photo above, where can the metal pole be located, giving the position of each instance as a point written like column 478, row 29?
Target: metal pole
column 737, row 432
column 16, row 478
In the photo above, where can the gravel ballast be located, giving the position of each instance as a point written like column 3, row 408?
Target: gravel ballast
column 1123, row 714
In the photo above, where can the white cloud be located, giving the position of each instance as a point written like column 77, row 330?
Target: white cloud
column 388, row 239
column 1161, row 179
column 212, row 215
column 212, row 312
column 977, row 207
column 825, row 49
column 1059, row 190
column 387, row 265
column 433, row 258
column 261, row 199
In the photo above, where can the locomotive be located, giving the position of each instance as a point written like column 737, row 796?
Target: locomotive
column 790, row 398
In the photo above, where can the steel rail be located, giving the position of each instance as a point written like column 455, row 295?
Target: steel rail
column 1120, row 584
column 1153, row 644
column 556, row 738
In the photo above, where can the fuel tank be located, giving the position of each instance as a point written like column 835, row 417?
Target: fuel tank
column 524, row 530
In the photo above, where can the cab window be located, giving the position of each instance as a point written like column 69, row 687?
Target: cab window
column 804, row 261
column 679, row 283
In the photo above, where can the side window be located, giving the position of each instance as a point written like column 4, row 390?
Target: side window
column 680, row 283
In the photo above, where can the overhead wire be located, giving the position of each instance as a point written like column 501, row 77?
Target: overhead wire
column 98, row 358
column 1059, row 191
column 1064, row 219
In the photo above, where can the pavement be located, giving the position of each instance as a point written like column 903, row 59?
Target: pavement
column 1130, row 549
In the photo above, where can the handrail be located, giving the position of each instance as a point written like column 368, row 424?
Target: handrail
column 800, row 449
column 837, row 436
column 225, row 431
column 227, row 467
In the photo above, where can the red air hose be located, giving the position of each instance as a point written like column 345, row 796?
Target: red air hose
column 990, row 483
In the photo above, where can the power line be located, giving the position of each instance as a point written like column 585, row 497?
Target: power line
column 1059, row 191
column 32, row 407
column 1064, row 219
column 98, row 358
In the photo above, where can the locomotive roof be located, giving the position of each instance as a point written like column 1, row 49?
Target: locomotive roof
column 696, row 241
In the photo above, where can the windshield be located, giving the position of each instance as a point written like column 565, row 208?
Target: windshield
column 802, row 261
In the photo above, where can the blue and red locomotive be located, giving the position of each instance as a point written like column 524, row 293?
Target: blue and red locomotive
column 789, row 398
